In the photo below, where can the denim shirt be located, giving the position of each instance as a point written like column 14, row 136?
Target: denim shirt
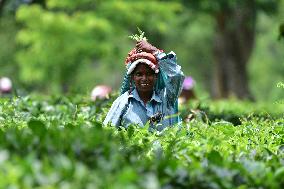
column 130, row 109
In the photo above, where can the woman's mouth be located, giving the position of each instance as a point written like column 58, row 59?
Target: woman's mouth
column 144, row 84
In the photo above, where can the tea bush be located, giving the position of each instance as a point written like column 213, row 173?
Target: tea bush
column 60, row 142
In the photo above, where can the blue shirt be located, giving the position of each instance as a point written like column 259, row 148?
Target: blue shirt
column 129, row 108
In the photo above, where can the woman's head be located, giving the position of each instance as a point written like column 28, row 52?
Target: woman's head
column 132, row 61
column 144, row 78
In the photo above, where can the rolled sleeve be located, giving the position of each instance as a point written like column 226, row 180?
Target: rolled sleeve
column 114, row 114
column 174, row 75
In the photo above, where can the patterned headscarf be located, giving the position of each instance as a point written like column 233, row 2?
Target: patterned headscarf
column 135, row 57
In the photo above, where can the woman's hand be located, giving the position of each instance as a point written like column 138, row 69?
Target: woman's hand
column 145, row 46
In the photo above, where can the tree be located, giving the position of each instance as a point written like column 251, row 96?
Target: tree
column 281, row 31
column 2, row 3
column 235, row 23
column 65, row 35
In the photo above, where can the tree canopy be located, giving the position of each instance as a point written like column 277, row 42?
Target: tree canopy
column 59, row 39
column 58, row 46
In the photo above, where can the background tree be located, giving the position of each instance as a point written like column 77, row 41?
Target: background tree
column 235, row 23
column 73, row 45
column 8, row 31
column 281, row 31
column 2, row 3
column 68, row 35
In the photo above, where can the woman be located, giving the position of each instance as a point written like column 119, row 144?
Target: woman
column 149, row 91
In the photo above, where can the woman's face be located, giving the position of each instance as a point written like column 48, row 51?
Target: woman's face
column 144, row 78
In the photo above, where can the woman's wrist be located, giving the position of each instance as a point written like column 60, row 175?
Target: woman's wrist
column 157, row 52
column 154, row 50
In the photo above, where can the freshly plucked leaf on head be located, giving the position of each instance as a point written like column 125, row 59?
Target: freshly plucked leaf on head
column 138, row 37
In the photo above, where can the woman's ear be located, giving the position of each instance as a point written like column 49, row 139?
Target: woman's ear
column 156, row 75
column 156, row 78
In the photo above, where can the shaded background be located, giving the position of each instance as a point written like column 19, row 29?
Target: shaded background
column 231, row 48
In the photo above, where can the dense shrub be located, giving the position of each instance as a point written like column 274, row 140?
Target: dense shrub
column 60, row 142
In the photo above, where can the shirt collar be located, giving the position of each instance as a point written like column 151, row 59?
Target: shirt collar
column 156, row 97
column 135, row 95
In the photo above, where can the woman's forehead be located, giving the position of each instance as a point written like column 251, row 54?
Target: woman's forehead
column 143, row 67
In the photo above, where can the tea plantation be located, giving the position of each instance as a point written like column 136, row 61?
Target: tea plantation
column 60, row 142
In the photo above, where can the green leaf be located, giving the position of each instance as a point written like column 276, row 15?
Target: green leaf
column 130, row 131
column 138, row 37
column 279, row 174
column 215, row 158
column 38, row 127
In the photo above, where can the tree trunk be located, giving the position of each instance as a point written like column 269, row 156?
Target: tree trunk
column 2, row 3
column 235, row 31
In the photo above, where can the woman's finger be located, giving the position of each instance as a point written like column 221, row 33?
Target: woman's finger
column 138, row 44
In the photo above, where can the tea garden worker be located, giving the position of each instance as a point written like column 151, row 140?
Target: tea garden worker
column 150, row 89
column 187, row 92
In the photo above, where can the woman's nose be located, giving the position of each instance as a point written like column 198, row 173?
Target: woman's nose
column 144, row 76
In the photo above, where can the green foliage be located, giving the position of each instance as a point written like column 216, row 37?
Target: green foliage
column 139, row 37
column 280, row 85
column 58, row 44
column 74, row 45
column 232, row 110
column 265, row 69
column 213, row 7
column 67, row 4
column 61, row 39
column 8, row 29
column 281, row 31
column 59, row 142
